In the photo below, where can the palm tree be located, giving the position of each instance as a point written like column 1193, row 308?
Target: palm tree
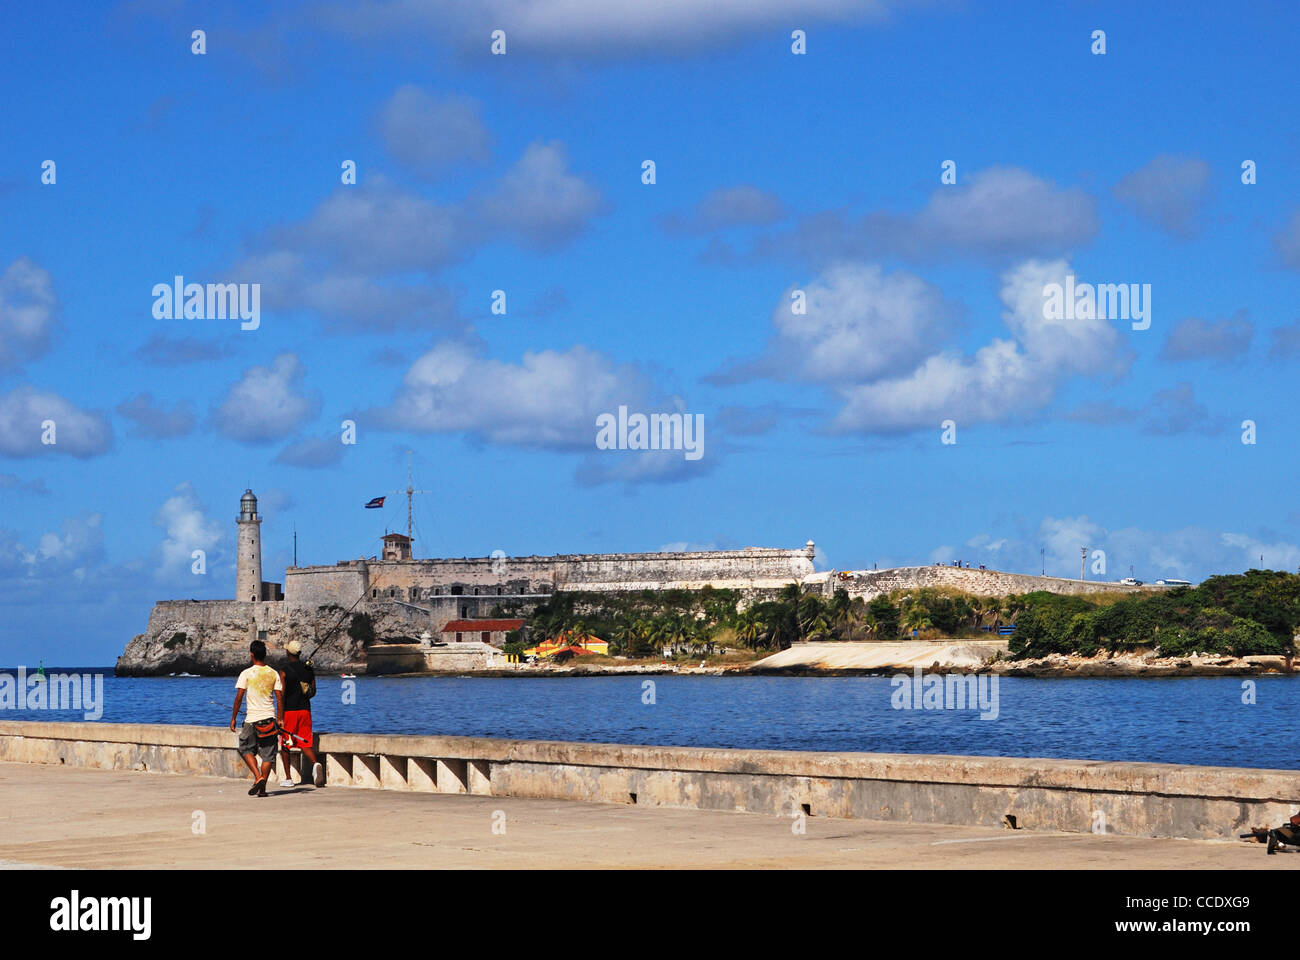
column 839, row 612
column 915, row 618
column 623, row 637
column 642, row 637
column 790, row 593
column 810, row 612
column 578, row 634
column 870, row 623
column 671, row 633
column 749, row 628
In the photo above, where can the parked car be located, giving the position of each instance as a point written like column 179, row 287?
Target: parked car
column 1131, row 582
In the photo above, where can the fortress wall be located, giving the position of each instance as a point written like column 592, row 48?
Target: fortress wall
column 869, row 584
column 421, row 580
column 627, row 571
column 199, row 617
column 323, row 586
column 428, row 576
column 659, row 570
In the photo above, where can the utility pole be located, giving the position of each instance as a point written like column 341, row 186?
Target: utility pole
column 1042, row 556
column 295, row 543
column 1083, row 558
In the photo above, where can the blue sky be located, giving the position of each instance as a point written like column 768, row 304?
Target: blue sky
column 775, row 173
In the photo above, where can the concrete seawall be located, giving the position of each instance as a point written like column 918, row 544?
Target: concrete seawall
column 1133, row 799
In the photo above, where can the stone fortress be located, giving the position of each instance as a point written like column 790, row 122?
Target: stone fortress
column 409, row 601
column 419, row 614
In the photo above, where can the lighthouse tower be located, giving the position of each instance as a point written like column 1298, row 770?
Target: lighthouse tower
column 248, row 561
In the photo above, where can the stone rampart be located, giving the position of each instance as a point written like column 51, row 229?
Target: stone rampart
column 993, row 583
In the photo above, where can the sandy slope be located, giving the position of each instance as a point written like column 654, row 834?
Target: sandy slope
column 884, row 655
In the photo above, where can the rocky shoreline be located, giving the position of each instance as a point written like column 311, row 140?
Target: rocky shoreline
column 1146, row 665
column 955, row 656
column 205, row 654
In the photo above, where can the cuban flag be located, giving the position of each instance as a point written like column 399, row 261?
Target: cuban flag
column 375, row 504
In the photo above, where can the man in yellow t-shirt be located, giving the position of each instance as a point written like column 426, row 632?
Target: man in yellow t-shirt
column 263, row 718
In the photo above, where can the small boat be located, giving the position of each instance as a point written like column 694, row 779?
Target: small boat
column 348, row 676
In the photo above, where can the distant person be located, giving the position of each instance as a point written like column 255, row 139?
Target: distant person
column 299, row 687
column 261, row 727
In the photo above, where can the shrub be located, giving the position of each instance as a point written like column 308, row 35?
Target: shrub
column 362, row 629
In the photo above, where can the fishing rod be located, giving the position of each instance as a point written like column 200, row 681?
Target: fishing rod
column 286, row 733
column 321, row 641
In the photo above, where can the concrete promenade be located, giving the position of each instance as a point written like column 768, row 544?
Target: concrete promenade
column 61, row 816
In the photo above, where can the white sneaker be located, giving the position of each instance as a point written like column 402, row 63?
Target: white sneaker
column 318, row 775
column 287, row 783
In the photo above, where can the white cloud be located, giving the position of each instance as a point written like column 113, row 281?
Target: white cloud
column 153, row 419
column 645, row 466
column 997, row 213
column 740, row 206
column 82, row 540
column 550, row 399
column 266, row 403
column 312, row 452
column 1192, row 553
column 376, row 226
column 186, row 528
column 1003, row 210
column 430, row 134
column 1287, row 241
column 78, row 433
column 1168, row 192
column 1176, row 410
column 1006, row 378
column 860, row 323
column 28, row 311
column 363, row 259
column 1276, row 556
column 1196, row 339
column 593, row 28
column 538, row 201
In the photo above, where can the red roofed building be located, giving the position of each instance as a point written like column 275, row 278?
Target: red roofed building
column 488, row 631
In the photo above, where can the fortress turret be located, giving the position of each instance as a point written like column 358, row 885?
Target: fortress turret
column 248, row 560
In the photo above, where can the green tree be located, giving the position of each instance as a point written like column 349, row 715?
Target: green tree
column 916, row 619
column 885, row 615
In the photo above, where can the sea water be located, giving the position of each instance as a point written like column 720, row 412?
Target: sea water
column 1219, row 721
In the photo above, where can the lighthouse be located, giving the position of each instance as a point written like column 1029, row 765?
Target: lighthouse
column 248, row 562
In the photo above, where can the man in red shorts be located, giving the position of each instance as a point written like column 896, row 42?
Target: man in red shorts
column 299, row 687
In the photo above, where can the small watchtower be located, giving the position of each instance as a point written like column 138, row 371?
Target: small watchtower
column 397, row 546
